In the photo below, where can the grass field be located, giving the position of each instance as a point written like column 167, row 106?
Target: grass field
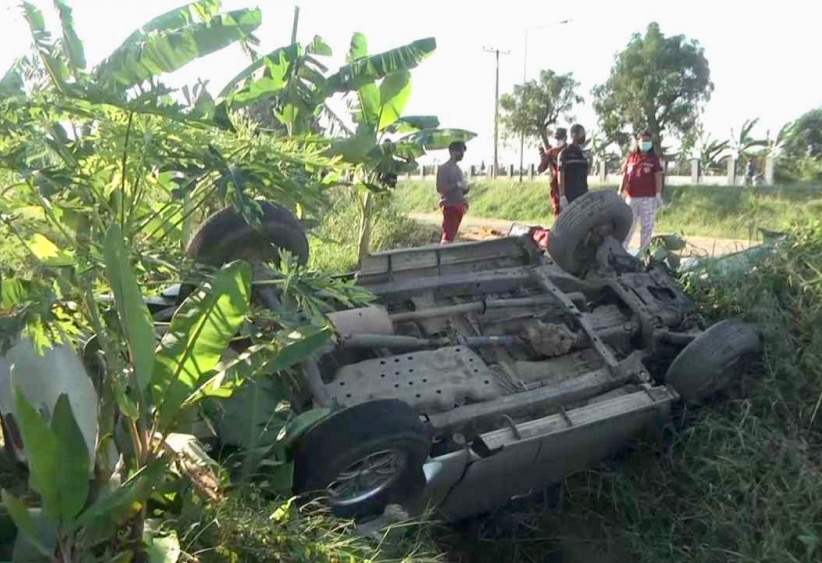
column 715, row 211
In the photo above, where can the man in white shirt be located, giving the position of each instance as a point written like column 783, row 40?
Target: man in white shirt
column 452, row 189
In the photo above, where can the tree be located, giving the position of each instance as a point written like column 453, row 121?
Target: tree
column 657, row 82
column 537, row 104
column 804, row 136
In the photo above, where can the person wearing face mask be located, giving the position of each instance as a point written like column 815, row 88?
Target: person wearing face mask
column 642, row 187
column 548, row 159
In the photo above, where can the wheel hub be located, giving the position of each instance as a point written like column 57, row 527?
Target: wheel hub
column 367, row 477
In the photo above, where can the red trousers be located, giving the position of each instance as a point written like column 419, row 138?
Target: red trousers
column 555, row 197
column 451, row 219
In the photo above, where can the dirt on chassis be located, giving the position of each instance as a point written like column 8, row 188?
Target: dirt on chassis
column 490, row 370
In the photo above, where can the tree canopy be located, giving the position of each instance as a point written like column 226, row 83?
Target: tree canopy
column 657, row 82
column 804, row 136
column 533, row 107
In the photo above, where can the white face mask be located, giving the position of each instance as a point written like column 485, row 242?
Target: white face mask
column 560, row 143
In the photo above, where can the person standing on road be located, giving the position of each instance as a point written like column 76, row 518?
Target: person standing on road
column 549, row 160
column 749, row 172
column 452, row 189
column 572, row 165
column 642, row 187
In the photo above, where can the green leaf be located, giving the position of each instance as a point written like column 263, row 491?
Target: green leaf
column 40, row 446
column 135, row 318
column 24, row 522
column 115, row 504
column 361, row 71
column 199, row 11
column 73, row 469
column 198, row 335
column 358, row 48
column 412, row 123
column 353, row 149
column 13, row 292
column 437, row 139
column 320, row 47
column 167, row 50
column 368, row 112
column 298, row 425
column 162, row 549
column 395, row 90
column 48, row 253
column 73, row 45
column 54, row 64
column 275, row 57
column 12, row 82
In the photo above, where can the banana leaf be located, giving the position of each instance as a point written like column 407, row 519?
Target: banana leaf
column 368, row 69
column 437, row 139
column 167, row 50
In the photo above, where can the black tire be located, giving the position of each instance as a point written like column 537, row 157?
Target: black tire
column 580, row 228
column 713, row 359
column 354, row 436
column 226, row 236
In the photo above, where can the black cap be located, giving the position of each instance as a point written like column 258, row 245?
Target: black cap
column 457, row 146
column 561, row 133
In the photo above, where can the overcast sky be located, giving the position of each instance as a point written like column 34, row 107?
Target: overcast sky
column 764, row 55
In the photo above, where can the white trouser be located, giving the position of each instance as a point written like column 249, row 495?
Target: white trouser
column 644, row 209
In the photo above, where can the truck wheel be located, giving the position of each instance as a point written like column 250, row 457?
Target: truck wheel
column 713, row 359
column 581, row 227
column 226, row 236
column 360, row 459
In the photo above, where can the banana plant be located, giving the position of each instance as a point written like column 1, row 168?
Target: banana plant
column 711, row 153
column 744, row 143
column 381, row 86
column 375, row 139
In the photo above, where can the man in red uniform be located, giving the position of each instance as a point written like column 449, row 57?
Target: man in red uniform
column 549, row 159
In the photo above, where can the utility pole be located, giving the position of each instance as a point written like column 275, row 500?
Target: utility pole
column 524, row 79
column 294, row 26
column 496, row 105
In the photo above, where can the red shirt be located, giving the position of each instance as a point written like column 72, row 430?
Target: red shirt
column 640, row 169
column 549, row 158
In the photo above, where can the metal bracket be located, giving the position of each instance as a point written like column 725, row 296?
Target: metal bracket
column 541, row 276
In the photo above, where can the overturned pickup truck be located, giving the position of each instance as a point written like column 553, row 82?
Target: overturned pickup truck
column 490, row 370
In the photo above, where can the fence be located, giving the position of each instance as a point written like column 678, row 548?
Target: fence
column 731, row 178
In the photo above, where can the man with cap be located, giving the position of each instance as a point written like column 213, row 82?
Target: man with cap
column 548, row 159
column 452, row 189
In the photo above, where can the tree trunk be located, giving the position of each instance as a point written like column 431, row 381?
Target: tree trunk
column 364, row 240
column 543, row 133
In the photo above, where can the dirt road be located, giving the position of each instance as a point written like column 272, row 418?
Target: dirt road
column 479, row 228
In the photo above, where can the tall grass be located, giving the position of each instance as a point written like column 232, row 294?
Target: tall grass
column 718, row 211
column 334, row 243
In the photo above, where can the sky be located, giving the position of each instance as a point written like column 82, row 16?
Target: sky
column 764, row 56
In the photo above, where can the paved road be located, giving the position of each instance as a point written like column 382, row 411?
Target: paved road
column 478, row 228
